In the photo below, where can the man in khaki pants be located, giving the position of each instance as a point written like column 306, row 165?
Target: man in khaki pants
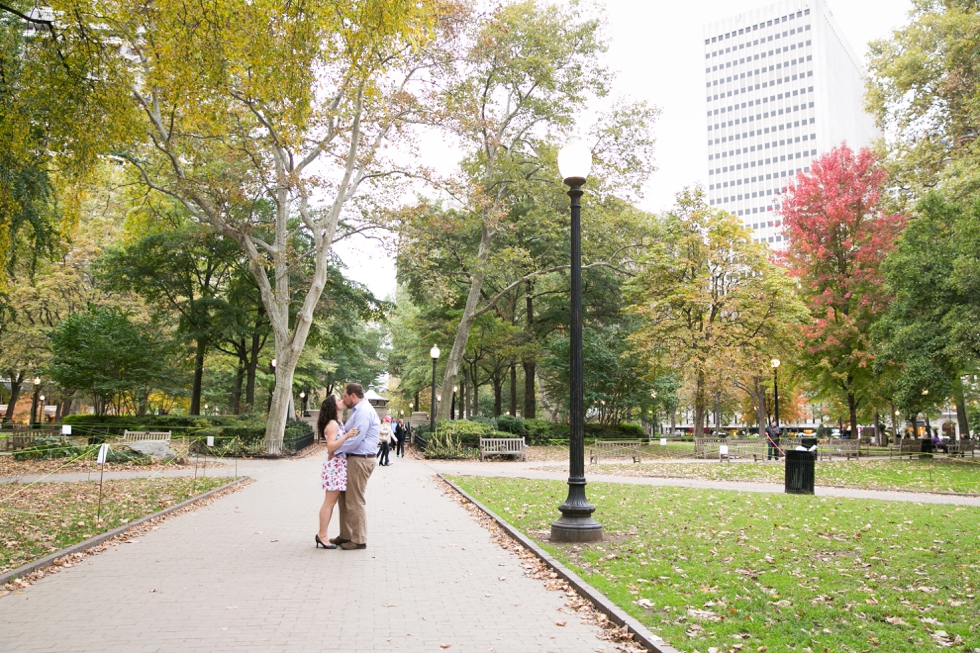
column 361, row 451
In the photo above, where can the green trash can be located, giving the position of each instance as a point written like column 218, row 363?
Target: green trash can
column 800, row 471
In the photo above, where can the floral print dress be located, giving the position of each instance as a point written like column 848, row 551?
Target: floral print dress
column 333, row 474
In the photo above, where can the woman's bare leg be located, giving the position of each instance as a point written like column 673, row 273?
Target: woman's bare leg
column 326, row 511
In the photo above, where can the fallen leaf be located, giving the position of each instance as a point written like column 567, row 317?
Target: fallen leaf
column 560, row 623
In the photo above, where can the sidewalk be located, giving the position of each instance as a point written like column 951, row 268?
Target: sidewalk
column 242, row 575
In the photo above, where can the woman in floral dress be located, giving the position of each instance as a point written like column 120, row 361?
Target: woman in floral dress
column 333, row 474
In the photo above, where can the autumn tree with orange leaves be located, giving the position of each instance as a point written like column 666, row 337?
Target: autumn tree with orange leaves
column 839, row 234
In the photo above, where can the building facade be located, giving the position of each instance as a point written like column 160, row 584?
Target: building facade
column 783, row 87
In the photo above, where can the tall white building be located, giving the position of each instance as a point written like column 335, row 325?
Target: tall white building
column 783, row 87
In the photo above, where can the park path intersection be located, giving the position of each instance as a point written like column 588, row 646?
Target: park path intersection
column 242, row 574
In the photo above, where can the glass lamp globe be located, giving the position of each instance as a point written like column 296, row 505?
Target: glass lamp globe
column 574, row 160
column 434, row 352
column 775, row 363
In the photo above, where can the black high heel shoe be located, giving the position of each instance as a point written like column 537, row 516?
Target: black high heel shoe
column 320, row 543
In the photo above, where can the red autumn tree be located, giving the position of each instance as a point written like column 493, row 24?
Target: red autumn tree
column 839, row 234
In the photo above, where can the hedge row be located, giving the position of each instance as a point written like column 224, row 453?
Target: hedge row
column 536, row 431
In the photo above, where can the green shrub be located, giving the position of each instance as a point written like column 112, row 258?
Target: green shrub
column 459, row 427
column 511, row 424
column 631, row 431
column 99, row 425
column 49, row 449
column 446, row 446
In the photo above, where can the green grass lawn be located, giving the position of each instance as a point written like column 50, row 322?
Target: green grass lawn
column 921, row 475
column 730, row 571
column 43, row 518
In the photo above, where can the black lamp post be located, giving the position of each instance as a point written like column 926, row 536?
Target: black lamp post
column 775, row 387
column 452, row 408
column 37, row 388
column 434, row 353
column 272, row 388
column 576, row 523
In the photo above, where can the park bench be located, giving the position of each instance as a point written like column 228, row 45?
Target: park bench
column 137, row 436
column 503, row 447
column 961, row 448
column 837, row 447
column 731, row 449
column 905, row 447
column 17, row 441
column 615, row 449
column 706, row 447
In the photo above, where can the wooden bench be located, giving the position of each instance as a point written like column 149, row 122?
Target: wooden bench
column 742, row 449
column 136, row 436
column 17, row 441
column 838, row 447
column 962, row 447
column 615, row 449
column 706, row 447
column 905, row 447
column 503, row 447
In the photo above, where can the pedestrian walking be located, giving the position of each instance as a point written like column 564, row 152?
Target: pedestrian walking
column 333, row 474
column 772, row 442
column 384, row 441
column 360, row 451
column 400, row 435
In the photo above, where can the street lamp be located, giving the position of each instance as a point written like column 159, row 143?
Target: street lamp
column 452, row 408
column 302, row 401
column 37, row 387
column 272, row 388
column 576, row 523
column 434, row 353
column 775, row 386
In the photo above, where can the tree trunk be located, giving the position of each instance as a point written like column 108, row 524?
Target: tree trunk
column 461, row 404
column 476, row 397
column 16, row 382
column 498, row 388
column 251, row 368
column 895, row 434
column 852, row 414
column 530, row 401
column 513, row 389
column 467, row 319
column 673, row 413
column 236, row 391
column 877, row 431
column 530, row 405
column 201, row 348
column 961, row 416
column 759, row 401
column 699, row 405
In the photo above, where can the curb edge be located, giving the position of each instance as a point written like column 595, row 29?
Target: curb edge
column 616, row 614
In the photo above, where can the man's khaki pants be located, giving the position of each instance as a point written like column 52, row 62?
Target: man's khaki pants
column 353, row 511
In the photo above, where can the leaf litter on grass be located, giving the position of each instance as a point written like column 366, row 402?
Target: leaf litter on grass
column 779, row 571
column 42, row 518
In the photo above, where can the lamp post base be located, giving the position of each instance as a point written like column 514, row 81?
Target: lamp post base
column 576, row 523
column 577, row 529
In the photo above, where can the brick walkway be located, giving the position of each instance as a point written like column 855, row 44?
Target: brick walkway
column 242, row 575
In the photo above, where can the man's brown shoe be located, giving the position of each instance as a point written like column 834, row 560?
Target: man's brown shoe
column 338, row 540
column 350, row 546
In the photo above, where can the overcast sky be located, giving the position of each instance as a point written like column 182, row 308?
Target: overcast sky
column 657, row 48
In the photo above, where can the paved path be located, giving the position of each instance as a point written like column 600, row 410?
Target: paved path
column 242, row 575
column 538, row 470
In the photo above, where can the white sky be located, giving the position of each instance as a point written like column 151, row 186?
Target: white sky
column 657, row 48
